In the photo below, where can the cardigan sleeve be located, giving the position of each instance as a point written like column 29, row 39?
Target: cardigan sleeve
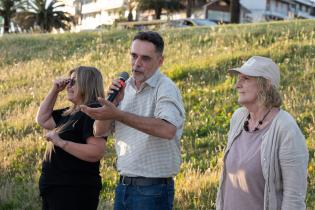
column 293, row 158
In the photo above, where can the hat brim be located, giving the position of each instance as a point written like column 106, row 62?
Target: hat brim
column 234, row 71
column 245, row 71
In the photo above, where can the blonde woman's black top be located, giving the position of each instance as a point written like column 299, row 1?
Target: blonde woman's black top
column 65, row 169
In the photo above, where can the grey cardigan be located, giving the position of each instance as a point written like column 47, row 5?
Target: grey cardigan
column 284, row 159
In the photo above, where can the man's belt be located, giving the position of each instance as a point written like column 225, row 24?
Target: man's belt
column 144, row 181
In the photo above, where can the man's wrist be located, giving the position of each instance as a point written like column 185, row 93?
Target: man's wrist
column 120, row 114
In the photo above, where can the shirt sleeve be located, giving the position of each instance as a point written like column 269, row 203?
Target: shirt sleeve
column 169, row 105
column 87, row 129
column 88, row 123
column 57, row 115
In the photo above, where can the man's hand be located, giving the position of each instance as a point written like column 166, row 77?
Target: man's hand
column 108, row 111
column 116, row 85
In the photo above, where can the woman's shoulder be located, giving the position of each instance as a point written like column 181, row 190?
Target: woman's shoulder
column 84, row 116
column 286, row 124
column 285, row 119
column 239, row 113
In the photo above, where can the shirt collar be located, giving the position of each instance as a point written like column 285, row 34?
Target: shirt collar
column 152, row 81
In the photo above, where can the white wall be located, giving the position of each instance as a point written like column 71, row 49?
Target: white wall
column 99, row 12
column 254, row 4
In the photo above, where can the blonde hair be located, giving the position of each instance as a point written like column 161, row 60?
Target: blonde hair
column 90, row 85
column 268, row 94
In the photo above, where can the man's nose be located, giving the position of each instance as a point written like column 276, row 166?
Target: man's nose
column 138, row 61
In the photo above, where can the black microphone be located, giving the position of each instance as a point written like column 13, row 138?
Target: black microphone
column 123, row 76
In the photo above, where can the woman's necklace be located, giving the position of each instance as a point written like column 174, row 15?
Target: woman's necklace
column 260, row 122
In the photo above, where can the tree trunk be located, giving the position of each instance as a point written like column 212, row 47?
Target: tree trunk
column 130, row 17
column 235, row 11
column 158, row 12
column 188, row 8
column 6, row 25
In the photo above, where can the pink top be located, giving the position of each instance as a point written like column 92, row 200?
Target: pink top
column 244, row 186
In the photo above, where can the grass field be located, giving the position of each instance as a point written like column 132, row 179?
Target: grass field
column 196, row 59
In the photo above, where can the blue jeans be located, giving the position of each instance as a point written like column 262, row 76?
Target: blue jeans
column 153, row 197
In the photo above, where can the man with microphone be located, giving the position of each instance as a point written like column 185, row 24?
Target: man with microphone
column 147, row 118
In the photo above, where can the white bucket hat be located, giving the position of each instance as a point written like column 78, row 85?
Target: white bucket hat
column 258, row 66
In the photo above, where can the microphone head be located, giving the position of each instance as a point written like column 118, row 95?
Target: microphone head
column 124, row 76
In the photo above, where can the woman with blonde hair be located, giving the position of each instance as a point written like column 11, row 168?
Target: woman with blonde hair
column 265, row 161
column 70, row 172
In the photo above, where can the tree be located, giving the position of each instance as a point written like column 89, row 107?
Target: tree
column 8, row 8
column 189, row 8
column 159, row 5
column 235, row 11
column 47, row 15
column 190, row 4
column 131, row 4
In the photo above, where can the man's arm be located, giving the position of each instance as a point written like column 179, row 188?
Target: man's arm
column 149, row 125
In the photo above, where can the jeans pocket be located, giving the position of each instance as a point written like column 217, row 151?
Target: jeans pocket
column 152, row 190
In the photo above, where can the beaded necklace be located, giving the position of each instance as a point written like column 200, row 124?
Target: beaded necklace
column 260, row 122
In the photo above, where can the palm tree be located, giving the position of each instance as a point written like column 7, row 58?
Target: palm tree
column 47, row 15
column 8, row 8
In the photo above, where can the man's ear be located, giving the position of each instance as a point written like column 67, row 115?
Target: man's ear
column 161, row 60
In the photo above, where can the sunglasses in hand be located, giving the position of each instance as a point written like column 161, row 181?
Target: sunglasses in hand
column 71, row 82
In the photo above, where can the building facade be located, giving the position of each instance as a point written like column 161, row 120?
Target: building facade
column 261, row 10
column 93, row 13
column 90, row 14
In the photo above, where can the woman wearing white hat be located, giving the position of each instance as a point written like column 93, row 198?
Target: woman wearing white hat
column 265, row 162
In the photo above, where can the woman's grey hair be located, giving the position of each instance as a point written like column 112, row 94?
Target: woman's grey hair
column 268, row 94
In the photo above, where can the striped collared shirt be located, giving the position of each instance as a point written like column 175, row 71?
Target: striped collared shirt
column 140, row 154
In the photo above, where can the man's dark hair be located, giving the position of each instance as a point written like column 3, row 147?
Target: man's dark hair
column 153, row 37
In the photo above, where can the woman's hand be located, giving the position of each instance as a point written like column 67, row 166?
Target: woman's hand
column 53, row 137
column 60, row 84
column 92, row 151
